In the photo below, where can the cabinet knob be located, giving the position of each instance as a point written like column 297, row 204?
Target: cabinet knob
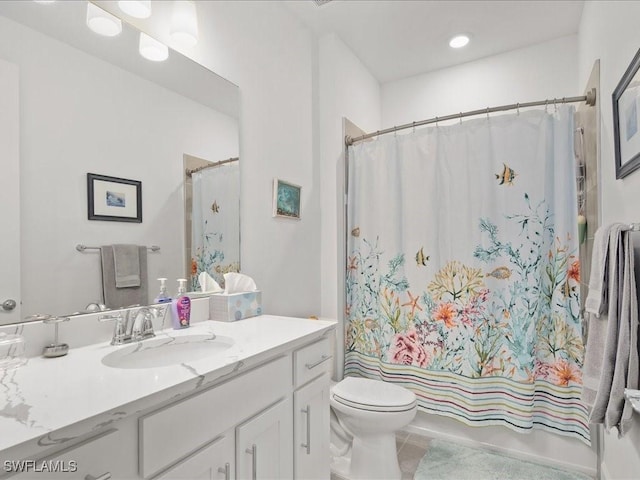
column 226, row 470
column 313, row 365
column 253, row 451
column 307, row 445
column 104, row 476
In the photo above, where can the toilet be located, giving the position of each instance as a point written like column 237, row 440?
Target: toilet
column 369, row 413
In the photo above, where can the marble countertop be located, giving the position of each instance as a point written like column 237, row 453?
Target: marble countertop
column 45, row 397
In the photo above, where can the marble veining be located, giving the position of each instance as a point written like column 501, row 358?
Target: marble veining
column 51, row 401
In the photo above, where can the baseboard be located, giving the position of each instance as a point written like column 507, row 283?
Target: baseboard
column 519, row 454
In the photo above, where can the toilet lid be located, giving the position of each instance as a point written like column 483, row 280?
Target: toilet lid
column 373, row 395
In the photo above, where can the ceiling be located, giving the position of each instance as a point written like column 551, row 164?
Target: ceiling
column 400, row 38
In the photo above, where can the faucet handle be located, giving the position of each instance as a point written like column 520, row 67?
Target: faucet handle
column 119, row 331
column 147, row 325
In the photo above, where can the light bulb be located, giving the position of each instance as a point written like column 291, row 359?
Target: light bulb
column 136, row 8
column 184, row 24
column 102, row 22
column 151, row 49
column 459, row 41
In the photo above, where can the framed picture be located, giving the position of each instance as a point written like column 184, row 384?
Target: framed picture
column 626, row 122
column 286, row 199
column 114, row 199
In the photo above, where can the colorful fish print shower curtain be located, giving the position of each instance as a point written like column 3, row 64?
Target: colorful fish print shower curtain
column 215, row 224
column 463, row 272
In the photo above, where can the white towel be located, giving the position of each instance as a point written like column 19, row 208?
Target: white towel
column 596, row 302
column 126, row 262
column 612, row 346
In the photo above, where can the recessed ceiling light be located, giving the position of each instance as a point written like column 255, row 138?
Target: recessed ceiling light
column 459, row 41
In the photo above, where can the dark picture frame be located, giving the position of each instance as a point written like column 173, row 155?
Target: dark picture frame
column 286, row 199
column 114, row 199
column 626, row 120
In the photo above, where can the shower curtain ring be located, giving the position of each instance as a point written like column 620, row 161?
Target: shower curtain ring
column 414, row 127
column 460, row 118
column 518, row 108
column 436, row 121
column 487, row 113
column 546, row 104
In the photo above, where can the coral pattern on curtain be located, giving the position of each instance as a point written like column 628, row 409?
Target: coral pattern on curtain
column 463, row 273
column 215, row 224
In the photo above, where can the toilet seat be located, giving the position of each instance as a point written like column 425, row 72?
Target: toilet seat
column 373, row 395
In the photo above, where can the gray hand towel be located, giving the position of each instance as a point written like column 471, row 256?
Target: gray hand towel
column 123, row 297
column 126, row 263
column 611, row 354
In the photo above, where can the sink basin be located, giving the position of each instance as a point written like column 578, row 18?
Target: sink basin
column 165, row 351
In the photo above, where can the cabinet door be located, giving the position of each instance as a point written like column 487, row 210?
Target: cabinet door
column 264, row 444
column 214, row 461
column 311, row 430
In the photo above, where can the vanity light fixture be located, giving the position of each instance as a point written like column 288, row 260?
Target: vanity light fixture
column 151, row 49
column 44, row 2
column 102, row 22
column 136, row 8
column 459, row 41
column 184, row 24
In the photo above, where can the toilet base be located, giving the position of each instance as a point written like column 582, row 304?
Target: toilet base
column 374, row 457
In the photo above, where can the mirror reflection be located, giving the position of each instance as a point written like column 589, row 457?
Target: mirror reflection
column 91, row 104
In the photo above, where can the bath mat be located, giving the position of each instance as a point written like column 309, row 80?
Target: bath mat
column 448, row 461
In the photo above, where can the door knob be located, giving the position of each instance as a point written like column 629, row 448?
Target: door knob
column 9, row 305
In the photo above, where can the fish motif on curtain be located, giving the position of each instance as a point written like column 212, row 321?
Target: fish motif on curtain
column 463, row 272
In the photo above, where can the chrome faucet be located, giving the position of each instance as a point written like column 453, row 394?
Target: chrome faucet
column 135, row 325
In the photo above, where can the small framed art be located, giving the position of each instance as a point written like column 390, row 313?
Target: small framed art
column 626, row 120
column 286, row 199
column 114, row 199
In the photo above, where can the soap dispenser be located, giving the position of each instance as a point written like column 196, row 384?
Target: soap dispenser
column 181, row 307
column 162, row 297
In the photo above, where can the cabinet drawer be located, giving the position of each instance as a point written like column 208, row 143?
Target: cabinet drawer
column 96, row 457
column 311, row 361
column 171, row 434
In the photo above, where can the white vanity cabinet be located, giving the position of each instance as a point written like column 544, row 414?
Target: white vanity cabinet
column 109, row 455
column 261, row 418
column 311, row 412
column 264, row 444
column 176, row 433
column 215, row 461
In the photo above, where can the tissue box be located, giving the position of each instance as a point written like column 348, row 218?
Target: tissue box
column 234, row 306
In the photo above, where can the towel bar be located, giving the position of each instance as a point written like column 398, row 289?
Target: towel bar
column 81, row 248
column 633, row 396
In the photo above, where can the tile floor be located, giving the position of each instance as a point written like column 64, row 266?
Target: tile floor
column 411, row 449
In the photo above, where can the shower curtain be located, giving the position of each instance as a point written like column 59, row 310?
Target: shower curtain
column 463, row 272
column 215, row 224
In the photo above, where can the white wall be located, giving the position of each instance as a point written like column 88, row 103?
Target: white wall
column 264, row 50
column 537, row 72
column 346, row 89
column 79, row 114
column 609, row 32
column 545, row 70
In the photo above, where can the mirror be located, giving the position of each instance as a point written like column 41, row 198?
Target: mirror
column 92, row 104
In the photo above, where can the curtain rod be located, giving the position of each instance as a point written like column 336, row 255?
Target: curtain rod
column 191, row 171
column 589, row 98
